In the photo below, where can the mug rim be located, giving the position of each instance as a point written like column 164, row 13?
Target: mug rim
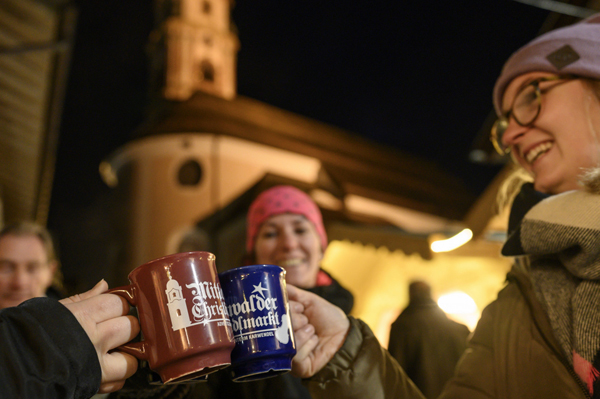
column 256, row 267
column 178, row 255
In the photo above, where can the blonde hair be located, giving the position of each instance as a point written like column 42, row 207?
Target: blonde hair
column 510, row 187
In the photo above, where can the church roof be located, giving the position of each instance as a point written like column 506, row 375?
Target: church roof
column 350, row 164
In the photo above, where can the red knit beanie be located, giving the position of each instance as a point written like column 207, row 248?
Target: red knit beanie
column 278, row 200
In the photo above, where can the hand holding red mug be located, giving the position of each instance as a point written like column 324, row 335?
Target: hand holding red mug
column 104, row 319
column 181, row 309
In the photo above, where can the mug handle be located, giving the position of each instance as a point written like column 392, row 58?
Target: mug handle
column 136, row 349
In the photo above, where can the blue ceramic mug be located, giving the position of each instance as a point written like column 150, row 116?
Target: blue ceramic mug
column 256, row 300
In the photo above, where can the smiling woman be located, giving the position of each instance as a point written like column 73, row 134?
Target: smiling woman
column 539, row 338
column 290, row 241
column 285, row 228
column 548, row 106
column 562, row 139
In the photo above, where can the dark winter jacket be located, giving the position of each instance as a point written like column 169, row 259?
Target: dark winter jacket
column 45, row 353
column 512, row 355
column 427, row 345
column 514, row 352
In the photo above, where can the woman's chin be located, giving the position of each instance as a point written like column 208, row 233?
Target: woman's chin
column 554, row 186
column 297, row 280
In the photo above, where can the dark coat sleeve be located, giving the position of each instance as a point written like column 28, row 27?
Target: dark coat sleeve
column 45, row 353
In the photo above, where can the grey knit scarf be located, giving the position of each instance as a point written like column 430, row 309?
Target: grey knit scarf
column 561, row 235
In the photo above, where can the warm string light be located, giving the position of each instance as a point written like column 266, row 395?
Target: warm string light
column 460, row 307
column 453, row 242
column 456, row 303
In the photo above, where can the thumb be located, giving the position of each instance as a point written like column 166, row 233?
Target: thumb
column 299, row 295
column 293, row 292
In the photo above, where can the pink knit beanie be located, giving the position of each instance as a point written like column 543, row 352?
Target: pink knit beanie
column 282, row 199
column 574, row 49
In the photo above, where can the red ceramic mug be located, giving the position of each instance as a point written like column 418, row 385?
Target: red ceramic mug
column 186, row 332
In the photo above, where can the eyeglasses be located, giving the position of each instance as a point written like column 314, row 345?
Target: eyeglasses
column 525, row 110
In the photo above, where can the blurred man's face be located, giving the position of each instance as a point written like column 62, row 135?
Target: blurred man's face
column 25, row 272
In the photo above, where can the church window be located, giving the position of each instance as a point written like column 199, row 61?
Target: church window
column 190, row 173
column 207, row 71
column 206, row 7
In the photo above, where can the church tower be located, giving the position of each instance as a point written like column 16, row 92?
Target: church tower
column 201, row 49
column 180, row 317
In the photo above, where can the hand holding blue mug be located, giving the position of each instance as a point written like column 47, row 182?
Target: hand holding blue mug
column 257, row 304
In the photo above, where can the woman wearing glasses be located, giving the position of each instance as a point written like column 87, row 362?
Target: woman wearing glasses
column 541, row 337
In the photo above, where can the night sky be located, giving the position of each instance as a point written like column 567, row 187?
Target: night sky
column 414, row 75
